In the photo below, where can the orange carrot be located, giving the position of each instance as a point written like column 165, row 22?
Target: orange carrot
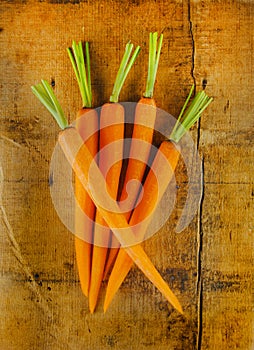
column 93, row 181
column 143, row 212
column 111, row 132
column 145, row 115
column 86, row 124
column 145, row 110
column 108, row 135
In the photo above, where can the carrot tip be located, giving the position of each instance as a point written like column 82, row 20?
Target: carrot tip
column 105, row 306
column 180, row 309
column 91, row 309
column 85, row 293
column 84, row 289
column 105, row 309
column 176, row 304
column 92, row 304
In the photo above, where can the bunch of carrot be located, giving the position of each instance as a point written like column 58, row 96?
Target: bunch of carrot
column 103, row 228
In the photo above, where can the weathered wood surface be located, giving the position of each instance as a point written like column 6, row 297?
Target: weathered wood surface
column 210, row 264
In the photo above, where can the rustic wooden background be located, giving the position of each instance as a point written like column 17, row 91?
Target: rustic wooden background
column 210, row 264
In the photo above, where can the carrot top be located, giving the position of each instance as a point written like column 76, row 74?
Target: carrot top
column 125, row 66
column 46, row 95
column 82, row 70
column 153, row 62
column 188, row 117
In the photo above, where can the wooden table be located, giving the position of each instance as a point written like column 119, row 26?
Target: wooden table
column 210, row 264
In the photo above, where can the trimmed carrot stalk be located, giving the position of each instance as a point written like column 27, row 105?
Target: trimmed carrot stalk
column 145, row 115
column 86, row 124
column 143, row 213
column 112, row 135
column 93, row 181
column 111, row 132
column 82, row 70
column 185, row 120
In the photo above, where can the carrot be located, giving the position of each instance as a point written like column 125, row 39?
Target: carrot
column 93, row 181
column 86, row 124
column 108, row 134
column 84, row 223
column 111, row 132
column 69, row 143
column 143, row 212
column 145, row 114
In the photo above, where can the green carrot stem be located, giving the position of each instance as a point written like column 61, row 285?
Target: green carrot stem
column 188, row 117
column 82, row 70
column 46, row 95
column 125, row 66
column 153, row 62
column 88, row 65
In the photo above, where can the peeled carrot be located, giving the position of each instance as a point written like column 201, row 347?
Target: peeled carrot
column 143, row 212
column 108, row 135
column 145, row 115
column 93, row 181
column 86, row 124
column 111, row 133
column 84, row 223
column 70, row 144
column 135, row 168
column 75, row 151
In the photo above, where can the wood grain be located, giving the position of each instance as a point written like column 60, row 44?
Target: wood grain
column 210, row 264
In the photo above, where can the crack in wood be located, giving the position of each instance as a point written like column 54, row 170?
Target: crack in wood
column 193, row 45
column 199, row 283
